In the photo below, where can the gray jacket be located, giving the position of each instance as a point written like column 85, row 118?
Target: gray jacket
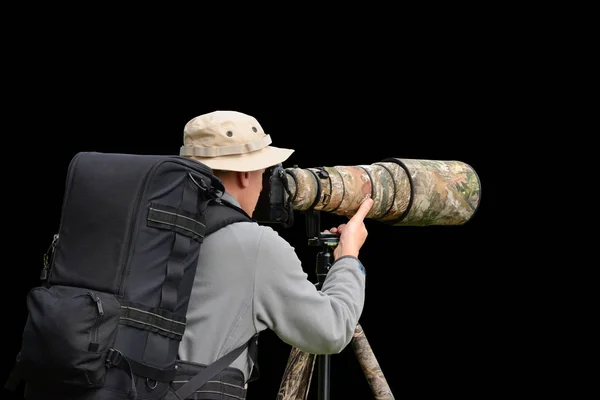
column 250, row 279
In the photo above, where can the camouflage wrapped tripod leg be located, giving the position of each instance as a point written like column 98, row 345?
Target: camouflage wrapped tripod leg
column 295, row 383
column 370, row 366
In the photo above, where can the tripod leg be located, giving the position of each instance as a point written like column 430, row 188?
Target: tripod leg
column 370, row 366
column 297, row 376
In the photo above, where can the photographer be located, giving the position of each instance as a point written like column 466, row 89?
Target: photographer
column 250, row 278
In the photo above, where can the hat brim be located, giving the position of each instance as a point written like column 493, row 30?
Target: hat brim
column 256, row 160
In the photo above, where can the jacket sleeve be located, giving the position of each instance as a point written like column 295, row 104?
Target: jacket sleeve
column 288, row 303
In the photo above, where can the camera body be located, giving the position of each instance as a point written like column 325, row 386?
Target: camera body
column 275, row 202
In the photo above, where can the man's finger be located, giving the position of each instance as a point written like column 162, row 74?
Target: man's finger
column 364, row 208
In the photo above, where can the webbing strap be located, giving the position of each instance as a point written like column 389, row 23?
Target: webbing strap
column 222, row 213
column 115, row 358
column 153, row 320
column 213, row 369
column 179, row 252
column 180, row 221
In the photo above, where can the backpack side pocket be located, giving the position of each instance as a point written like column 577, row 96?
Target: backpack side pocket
column 67, row 335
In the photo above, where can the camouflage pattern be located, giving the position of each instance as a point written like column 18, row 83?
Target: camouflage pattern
column 404, row 191
column 391, row 191
column 443, row 193
column 370, row 366
column 295, row 383
column 304, row 197
column 343, row 188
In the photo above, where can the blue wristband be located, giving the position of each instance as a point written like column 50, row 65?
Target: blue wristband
column 360, row 266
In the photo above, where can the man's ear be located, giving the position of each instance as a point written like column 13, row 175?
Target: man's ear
column 243, row 179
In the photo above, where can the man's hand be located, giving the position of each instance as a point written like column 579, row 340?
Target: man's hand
column 353, row 233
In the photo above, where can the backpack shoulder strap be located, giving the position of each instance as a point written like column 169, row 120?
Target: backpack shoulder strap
column 221, row 213
column 213, row 369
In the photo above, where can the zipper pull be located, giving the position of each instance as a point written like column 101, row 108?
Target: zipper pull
column 46, row 269
column 98, row 303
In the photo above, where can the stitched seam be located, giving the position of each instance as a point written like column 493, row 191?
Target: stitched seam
column 177, row 215
column 175, row 225
column 154, row 326
column 224, row 383
column 153, row 314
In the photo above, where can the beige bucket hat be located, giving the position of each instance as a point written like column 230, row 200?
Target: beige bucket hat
column 231, row 141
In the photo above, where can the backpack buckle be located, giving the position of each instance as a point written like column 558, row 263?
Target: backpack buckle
column 114, row 358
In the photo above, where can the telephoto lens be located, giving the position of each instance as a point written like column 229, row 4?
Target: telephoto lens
column 405, row 192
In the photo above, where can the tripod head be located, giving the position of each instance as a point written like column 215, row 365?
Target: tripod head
column 326, row 241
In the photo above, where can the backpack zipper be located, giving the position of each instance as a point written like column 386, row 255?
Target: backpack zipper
column 93, row 346
column 47, row 269
column 49, row 259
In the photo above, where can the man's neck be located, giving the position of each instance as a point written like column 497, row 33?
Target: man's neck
column 228, row 197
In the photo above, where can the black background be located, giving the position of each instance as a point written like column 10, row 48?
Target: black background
column 439, row 302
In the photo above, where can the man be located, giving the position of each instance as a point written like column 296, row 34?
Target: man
column 251, row 279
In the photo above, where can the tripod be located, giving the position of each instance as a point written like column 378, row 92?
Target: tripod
column 296, row 380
